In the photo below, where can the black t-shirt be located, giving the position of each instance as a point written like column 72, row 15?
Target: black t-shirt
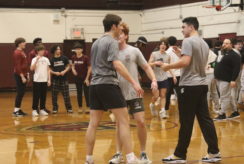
column 58, row 64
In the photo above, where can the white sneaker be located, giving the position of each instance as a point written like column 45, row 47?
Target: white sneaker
column 212, row 158
column 43, row 113
column 116, row 159
column 135, row 161
column 173, row 159
column 163, row 114
column 153, row 110
column 144, row 159
column 35, row 113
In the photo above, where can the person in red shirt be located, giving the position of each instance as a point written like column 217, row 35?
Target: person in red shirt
column 33, row 53
column 21, row 74
column 82, row 70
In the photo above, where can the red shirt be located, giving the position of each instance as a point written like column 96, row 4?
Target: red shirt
column 33, row 54
column 81, row 65
column 20, row 62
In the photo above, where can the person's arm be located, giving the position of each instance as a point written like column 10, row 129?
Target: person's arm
column 49, row 77
column 236, row 63
column 34, row 63
column 120, row 68
column 66, row 70
column 151, row 76
column 151, row 61
column 73, row 69
column 87, row 81
column 17, row 61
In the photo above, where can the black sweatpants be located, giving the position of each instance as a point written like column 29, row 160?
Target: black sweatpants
column 39, row 95
column 170, row 90
column 80, row 86
column 20, row 89
column 193, row 103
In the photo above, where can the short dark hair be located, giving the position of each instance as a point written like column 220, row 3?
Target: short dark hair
column 19, row 41
column 236, row 41
column 110, row 20
column 40, row 48
column 165, row 41
column 192, row 21
column 172, row 41
column 218, row 43
column 36, row 40
column 209, row 42
column 54, row 49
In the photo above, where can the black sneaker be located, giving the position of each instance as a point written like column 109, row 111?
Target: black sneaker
column 173, row 159
column 234, row 115
column 55, row 111
column 220, row 117
column 19, row 113
column 212, row 158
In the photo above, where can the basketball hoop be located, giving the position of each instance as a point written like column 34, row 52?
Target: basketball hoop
column 219, row 5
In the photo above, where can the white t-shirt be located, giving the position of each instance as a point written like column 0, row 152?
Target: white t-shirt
column 211, row 58
column 173, row 59
column 41, row 71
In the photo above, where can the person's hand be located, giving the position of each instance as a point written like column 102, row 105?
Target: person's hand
column 138, row 89
column 158, row 63
column 62, row 73
column 57, row 73
column 24, row 80
column 232, row 84
column 75, row 73
column 176, row 50
column 165, row 67
column 49, row 83
column 87, row 82
column 154, row 85
column 175, row 80
column 38, row 57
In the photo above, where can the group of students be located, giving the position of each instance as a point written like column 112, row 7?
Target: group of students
column 114, row 85
column 49, row 72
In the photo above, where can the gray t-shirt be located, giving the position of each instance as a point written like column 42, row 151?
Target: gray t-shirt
column 131, row 57
column 160, row 74
column 104, row 51
column 194, row 74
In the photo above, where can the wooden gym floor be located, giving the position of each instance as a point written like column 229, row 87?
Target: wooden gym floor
column 60, row 139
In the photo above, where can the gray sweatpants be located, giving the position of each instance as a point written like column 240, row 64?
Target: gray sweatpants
column 212, row 91
column 225, row 97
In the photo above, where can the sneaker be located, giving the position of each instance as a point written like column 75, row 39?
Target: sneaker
column 212, row 158
column 153, row 110
column 19, row 113
column 135, row 161
column 144, row 159
column 116, row 159
column 173, row 159
column 70, row 111
column 89, row 162
column 55, row 111
column 235, row 114
column 221, row 117
column 47, row 111
column 163, row 114
column 35, row 113
column 43, row 113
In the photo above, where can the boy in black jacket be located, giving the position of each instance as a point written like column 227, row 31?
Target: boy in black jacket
column 226, row 72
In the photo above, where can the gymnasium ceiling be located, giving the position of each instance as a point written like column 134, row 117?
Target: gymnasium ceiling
column 92, row 4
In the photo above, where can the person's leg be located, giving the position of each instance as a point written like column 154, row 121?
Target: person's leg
column 20, row 89
column 141, row 129
column 86, row 93
column 55, row 91
column 234, row 95
column 214, row 94
column 169, row 93
column 152, row 104
column 206, row 123
column 66, row 96
column 162, row 97
column 43, row 95
column 225, row 96
column 78, row 84
column 187, row 99
column 209, row 81
column 35, row 100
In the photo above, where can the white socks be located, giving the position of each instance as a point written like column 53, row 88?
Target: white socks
column 16, row 109
column 89, row 159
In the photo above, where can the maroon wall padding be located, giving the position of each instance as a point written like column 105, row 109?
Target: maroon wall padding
column 6, row 63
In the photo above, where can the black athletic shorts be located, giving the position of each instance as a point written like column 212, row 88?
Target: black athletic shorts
column 106, row 96
column 135, row 106
column 163, row 84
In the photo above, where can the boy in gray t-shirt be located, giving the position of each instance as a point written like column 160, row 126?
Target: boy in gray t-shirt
column 132, row 57
column 192, row 95
column 105, row 93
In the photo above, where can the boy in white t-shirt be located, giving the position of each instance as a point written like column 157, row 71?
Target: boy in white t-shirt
column 42, row 79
